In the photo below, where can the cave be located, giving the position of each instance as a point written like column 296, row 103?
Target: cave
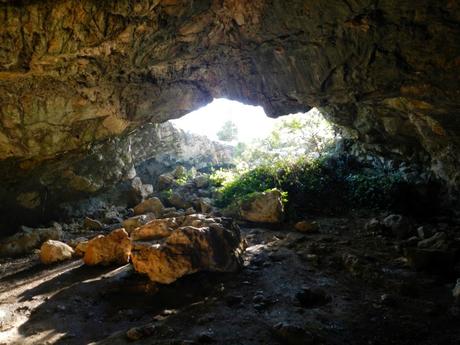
column 98, row 243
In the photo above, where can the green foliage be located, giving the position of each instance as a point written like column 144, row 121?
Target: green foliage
column 166, row 194
column 324, row 185
column 302, row 135
column 259, row 179
column 228, row 132
column 374, row 190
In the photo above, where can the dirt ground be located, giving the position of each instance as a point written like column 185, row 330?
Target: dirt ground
column 338, row 286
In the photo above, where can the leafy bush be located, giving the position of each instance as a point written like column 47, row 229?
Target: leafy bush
column 325, row 185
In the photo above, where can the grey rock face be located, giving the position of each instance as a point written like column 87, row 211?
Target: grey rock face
column 118, row 170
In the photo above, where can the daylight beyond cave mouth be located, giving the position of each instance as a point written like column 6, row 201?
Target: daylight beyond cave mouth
column 249, row 122
column 338, row 225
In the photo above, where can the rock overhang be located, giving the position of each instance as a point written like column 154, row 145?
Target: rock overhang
column 74, row 73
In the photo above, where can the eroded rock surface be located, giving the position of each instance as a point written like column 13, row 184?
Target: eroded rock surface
column 264, row 207
column 113, row 248
column 55, row 251
column 76, row 72
column 186, row 245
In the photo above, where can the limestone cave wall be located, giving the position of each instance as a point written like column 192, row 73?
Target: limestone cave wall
column 77, row 72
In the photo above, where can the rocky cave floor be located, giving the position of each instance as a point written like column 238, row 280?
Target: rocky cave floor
column 341, row 285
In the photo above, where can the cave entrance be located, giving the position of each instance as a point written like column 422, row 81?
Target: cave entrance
column 256, row 138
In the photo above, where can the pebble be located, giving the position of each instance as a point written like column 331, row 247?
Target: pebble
column 137, row 333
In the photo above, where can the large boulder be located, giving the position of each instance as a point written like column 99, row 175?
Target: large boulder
column 114, row 248
column 216, row 246
column 264, row 207
column 55, row 251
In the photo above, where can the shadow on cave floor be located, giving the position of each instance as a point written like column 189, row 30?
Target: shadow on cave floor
column 371, row 298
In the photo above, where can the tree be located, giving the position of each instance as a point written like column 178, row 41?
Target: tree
column 228, row 132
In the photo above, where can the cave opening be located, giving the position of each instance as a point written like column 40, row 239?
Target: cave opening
column 337, row 226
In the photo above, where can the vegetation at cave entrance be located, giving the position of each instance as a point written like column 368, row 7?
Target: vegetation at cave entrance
column 228, row 132
column 299, row 158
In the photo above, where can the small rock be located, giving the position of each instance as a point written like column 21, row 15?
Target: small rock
column 437, row 241
column 165, row 181
column 92, row 224
column 54, row 251
column 7, row 318
column 112, row 217
column 179, row 200
column 352, row 263
column 139, row 190
column 201, row 181
column 137, row 333
column 311, row 298
column 179, row 172
column 423, row 232
column 400, row 226
column 152, row 205
column 306, row 227
column 373, row 226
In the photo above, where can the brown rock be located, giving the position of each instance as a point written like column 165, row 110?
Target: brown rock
column 112, row 248
column 92, row 224
column 80, row 249
column 134, row 222
column 266, row 207
column 152, row 205
column 187, row 250
column 158, row 228
column 306, row 227
column 55, row 251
